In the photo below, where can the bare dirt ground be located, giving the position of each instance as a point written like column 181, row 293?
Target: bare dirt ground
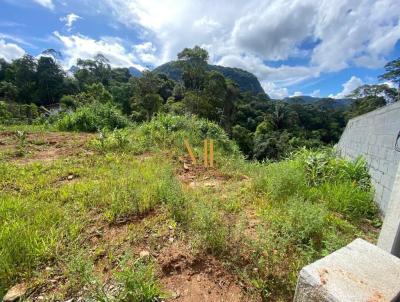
column 197, row 278
column 43, row 147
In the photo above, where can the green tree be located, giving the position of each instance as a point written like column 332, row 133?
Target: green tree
column 393, row 73
column 23, row 74
column 8, row 91
column 381, row 90
column 50, row 78
column 194, row 64
column 93, row 71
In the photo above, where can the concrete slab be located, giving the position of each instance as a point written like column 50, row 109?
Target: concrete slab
column 358, row 272
column 389, row 238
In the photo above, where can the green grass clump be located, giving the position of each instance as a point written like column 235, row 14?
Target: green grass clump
column 166, row 131
column 281, row 180
column 138, row 281
column 93, row 117
column 42, row 214
column 310, row 205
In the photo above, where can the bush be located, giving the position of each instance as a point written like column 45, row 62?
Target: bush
column 324, row 165
column 346, row 198
column 321, row 177
column 281, row 180
column 169, row 131
column 92, row 118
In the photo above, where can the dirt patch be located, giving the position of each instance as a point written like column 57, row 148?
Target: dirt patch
column 199, row 176
column 43, row 147
column 196, row 278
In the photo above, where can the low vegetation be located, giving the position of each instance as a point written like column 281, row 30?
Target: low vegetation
column 125, row 213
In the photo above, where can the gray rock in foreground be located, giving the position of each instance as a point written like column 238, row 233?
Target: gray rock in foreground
column 358, row 272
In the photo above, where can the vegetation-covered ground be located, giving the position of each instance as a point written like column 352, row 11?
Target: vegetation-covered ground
column 124, row 216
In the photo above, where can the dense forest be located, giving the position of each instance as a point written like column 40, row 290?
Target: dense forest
column 93, row 96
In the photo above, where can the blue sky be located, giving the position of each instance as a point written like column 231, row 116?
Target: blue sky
column 310, row 47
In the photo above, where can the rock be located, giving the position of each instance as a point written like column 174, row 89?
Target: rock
column 171, row 239
column 359, row 271
column 144, row 254
column 15, row 292
column 185, row 167
column 70, row 177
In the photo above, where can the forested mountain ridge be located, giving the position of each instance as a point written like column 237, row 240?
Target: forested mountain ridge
column 96, row 96
column 330, row 102
column 244, row 79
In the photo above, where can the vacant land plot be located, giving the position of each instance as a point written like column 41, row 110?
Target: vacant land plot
column 127, row 217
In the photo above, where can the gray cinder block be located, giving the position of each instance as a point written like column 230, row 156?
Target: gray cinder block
column 359, row 272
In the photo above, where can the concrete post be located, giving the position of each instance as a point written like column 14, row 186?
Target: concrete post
column 389, row 238
column 359, row 272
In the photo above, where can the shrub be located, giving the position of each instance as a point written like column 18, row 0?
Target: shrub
column 92, row 118
column 324, row 165
column 169, row 131
column 346, row 198
column 281, row 180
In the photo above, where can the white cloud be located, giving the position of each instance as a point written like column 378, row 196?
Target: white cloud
column 316, row 93
column 330, row 35
column 10, row 51
column 146, row 53
column 45, row 3
column 348, row 87
column 297, row 93
column 80, row 46
column 273, row 29
column 274, row 91
column 69, row 20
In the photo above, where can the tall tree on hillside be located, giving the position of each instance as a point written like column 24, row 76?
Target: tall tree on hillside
column 393, row 73
column 194, row 65
column 93, row 71
column 3, row 69
column 23, row 74
column 381, row 90
column 50, row 79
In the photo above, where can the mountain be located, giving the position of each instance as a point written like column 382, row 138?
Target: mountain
column 135, row 72
column 245, row 80
column 325, row 102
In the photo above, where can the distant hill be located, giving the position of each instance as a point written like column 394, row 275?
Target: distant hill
column 135, row 72
column 245, row 80
column 326, row 102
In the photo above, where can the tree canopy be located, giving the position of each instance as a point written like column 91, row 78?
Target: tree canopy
column 263, row 128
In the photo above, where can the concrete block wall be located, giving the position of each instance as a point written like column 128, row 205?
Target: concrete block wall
column 373, row 136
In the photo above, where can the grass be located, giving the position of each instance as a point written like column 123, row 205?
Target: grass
column 263, row 221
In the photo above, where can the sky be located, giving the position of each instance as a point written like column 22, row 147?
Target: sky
column 307, row 47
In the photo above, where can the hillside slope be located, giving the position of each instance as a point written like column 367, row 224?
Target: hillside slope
column 246, row 80
column 326, row 102
column 126, row 216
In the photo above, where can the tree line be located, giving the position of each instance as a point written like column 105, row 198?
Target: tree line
column 263, row 128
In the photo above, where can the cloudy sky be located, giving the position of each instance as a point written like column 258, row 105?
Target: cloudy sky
column 310, row 47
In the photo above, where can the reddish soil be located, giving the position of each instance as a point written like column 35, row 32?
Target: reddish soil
column 196, row 278
column 44, row 147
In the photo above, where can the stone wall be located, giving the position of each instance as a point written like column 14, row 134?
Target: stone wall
column 374, row 136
